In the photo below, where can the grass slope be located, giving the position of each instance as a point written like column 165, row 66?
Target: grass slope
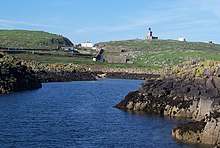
column 157, row 54
column 152, row 55
column 24, row 39
column 63, row 58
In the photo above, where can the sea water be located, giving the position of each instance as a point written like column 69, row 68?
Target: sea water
column 81, row 114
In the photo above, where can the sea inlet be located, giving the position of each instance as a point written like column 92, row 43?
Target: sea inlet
column 81, row 114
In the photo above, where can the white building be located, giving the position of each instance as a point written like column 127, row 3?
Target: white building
column 182, row 39
column 68, row 49
column 86, row 45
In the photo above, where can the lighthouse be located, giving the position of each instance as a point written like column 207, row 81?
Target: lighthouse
column 150, row 35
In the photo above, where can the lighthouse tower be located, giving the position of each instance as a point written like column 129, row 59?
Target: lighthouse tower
column 149, row 34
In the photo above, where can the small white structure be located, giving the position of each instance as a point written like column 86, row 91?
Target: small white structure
column 68, row 49
column 94, row 48
column 86, row 45
column 211, row 42
column 182, row 39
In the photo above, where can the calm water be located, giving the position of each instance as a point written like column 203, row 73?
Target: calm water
column 80, row 114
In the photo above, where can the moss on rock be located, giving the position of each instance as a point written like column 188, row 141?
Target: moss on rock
column 15, row 77
column 189, row 90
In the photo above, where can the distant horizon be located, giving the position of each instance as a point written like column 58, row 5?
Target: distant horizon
column 110, row 20
column 110, row 40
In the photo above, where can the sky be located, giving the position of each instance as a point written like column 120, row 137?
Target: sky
column 110, row 20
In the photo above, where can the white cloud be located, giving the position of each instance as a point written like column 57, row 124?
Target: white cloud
column 144, row 18
column 196, row 20
column 12, row 23
column 4, row 25
column 211, row 6
column 134, row 23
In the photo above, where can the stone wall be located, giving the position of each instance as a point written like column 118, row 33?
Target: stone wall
column 116, row 59
column 109, row 48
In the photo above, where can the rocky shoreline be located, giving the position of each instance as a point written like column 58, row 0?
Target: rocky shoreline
column 43, row 73
column 125, row 73
column 16, row 77
column 59, row 72
column 189, row 91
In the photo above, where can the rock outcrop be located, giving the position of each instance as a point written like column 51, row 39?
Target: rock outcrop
column 59, row 72
column 192, row 91
column 126, row 73
column 205, row 131
column 174, row 98
column 16, row 77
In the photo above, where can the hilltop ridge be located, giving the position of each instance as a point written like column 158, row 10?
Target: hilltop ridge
column 25, row 39
column 158, row 54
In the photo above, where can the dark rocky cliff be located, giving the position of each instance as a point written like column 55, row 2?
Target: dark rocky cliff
column 59, row 72
column 190, row 90
column 16, row 77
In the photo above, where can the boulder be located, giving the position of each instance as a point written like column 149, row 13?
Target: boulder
column 216, row 82
column 202, row 132
column 209, row 83
column 208, row 72
column 217, row 71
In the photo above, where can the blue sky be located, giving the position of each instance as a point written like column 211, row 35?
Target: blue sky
column 106, row 20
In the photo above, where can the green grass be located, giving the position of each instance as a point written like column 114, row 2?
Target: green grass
column 157, row 54
column 135, row 45
column 153, row 55
column 52, row 58
column 111, row 54
column 23, row 39
column 84, row 62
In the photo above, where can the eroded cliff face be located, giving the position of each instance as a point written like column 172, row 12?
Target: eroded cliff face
column 16, row 77
column 205, row 131
column 174, row 98
column 194, row 95
column 59, row 72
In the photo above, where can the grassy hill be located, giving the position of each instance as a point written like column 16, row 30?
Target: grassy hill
column 23, row 39
column 152, row 55
column 157, row 54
